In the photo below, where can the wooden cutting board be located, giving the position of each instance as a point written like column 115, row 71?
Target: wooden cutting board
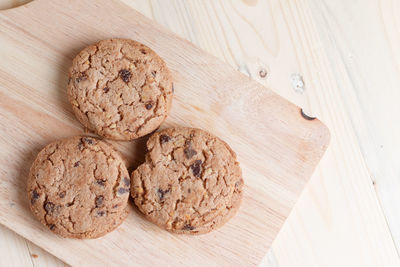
column 277, row 147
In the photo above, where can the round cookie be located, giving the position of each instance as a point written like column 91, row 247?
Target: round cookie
column 79, row 187
column 190, row 182
column 120, row 89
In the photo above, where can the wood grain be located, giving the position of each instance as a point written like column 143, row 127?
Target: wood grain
column 363, row 52
column 277, row 147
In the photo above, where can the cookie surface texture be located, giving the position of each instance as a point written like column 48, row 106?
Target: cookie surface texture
column 120, row 89
column 190, row 182
column 79, row 187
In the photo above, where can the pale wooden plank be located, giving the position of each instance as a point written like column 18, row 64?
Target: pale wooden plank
column 363, row 53
column 338, row 217
column 42, row 258
column 13, row 249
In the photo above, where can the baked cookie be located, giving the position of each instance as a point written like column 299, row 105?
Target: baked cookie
column 190, row 182
column 120, row 89
column 79, row 187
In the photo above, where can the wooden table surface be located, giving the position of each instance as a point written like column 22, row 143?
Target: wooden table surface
column 340, row 61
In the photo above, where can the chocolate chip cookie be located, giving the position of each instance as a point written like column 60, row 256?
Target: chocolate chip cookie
column 120, row 89
column 190, row 182
column 79, row 187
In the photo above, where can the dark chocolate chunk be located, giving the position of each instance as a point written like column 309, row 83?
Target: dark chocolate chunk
column 76, row 164
column 154, row 73
column 52, row 227
column 81, row 77
column 149, row 105
column 238, row 183
column 101, row 213
column 62, row 194
column 125, row 75
column 143, row 51
column 100, row 182
column 87, row 140
column 164, row 139
column 49, row 207
column 35, row 196
column 189, row 152
column 188, row 227
column 106, row 89
column 122, row 190
column 99, row 201
column 127, row 182
column 161, row 193
column 196, row 168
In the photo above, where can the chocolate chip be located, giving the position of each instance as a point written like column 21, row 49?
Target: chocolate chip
column 99, row 201
column 52, row 227
column 49, row 207
column 101, row 213
column 127, row 182
column 161, row 193
column 35, row 196
column 143, row 51
column 238, row 183
column 149, row 105
column 164, row 139
column 100, row 182
column 81, row 77
column 87, row 140
column 106, row 89
column 196, row 168
column 76, row 164
column 188, row 227
column 62, row 194
column 122, row 190
column 154, row 73
column 189, row 152
column 125, row 75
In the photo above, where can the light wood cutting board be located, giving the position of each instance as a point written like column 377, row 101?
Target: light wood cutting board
column 277, row 147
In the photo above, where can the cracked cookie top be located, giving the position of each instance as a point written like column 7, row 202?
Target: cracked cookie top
column 120, row 89
column 190, row 181
column 79, row 187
